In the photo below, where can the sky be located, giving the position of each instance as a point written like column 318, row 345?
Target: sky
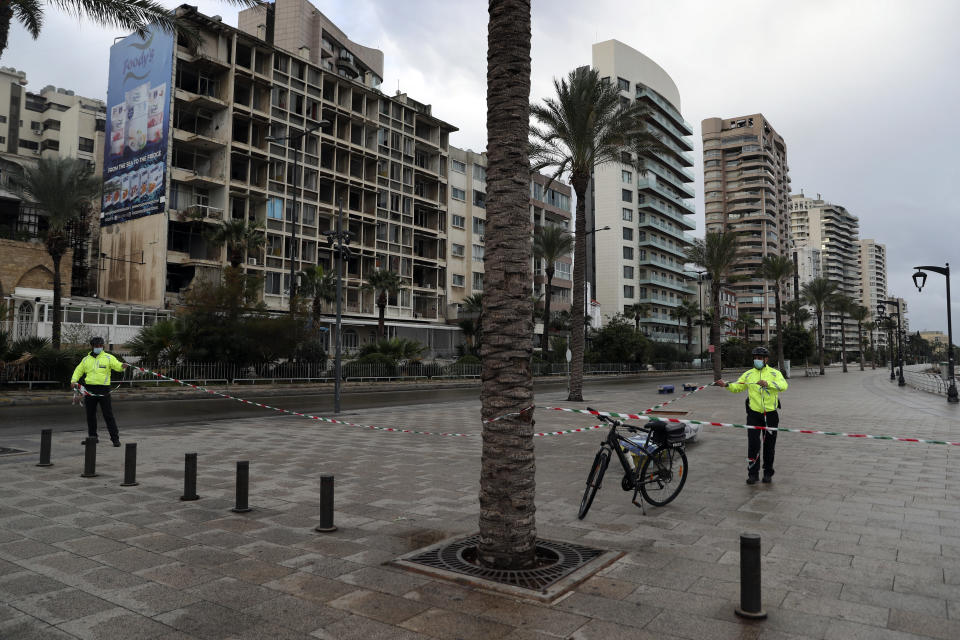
column 864, row 92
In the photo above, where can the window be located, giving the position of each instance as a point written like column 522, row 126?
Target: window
column 457, row 221
column 86, row 144
column 536, row 191
column 627, row 233
column 626, row 176
column 457, row 280
column 457, row 251
column 627, row 291
column 628, row 215
column 623, row 85
column 628, row 253
column 272, row 284
column 459, row 167
column 479, row 173
column 29, row 144
column 626, row 195
column 479, row 225
column 477, row 281
column 561, row 270
column 3, row 119
column 477, row 250
column 458, row 194
column 628, row 272
column 275, row 208
column 479, row 198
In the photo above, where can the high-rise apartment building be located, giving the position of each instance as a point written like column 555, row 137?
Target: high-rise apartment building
column 249, row 108
column 829, row 227
column 873, row 275
column 641, row 258
column 746, row 189
column 51, row 123
column 466, row 225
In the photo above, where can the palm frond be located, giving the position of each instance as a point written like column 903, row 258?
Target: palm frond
column 29, row 13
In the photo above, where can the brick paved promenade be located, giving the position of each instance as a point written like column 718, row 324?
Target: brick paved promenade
column 861, row 538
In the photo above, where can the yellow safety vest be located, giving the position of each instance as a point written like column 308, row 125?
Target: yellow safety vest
column 96, row 368
column 762, row 399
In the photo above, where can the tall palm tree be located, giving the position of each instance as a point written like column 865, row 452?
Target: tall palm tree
column 238, row 237
column 127, row 15
column 383, row 283
column 745, row 322
column 63, row 188
column 817, row 293
column 860, row 313
column 507, row 472
column 689, row 311
column 320, row 286
column 549, row 244
column 583, row 127
column 718, row 253
column 797, row 313
column 871, row 327
column 842, row 305
column 636, row 312
column 777, row 269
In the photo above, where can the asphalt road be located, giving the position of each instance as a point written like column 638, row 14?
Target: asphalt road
column 24, row 420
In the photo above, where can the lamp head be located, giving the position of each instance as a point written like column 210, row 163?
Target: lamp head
column 920, row 279
column 881, row 309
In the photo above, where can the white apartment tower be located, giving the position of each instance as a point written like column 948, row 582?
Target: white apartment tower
column 818, row 224
column 641, row 258
column 873, row 275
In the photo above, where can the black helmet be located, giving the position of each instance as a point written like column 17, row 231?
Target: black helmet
column 761, row 351
column 96, row 341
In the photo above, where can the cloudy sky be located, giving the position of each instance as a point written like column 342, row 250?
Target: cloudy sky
column 864, row 92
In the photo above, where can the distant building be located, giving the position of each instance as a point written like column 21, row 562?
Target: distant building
column 51, row 123
column 746, row 189
column 873, row 277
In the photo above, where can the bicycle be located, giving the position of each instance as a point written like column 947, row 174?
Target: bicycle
column 658, row 472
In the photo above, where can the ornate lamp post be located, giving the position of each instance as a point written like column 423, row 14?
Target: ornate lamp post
column 702, row 276
column 919, row 279
column 896, row 303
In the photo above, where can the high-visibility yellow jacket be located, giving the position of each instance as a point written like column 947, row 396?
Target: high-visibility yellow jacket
column 762, row 399
column 96, row 368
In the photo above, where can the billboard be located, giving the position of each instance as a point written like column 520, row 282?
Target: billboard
column 137, row 128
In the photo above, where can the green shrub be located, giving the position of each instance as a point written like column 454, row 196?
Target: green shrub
column 469, row 359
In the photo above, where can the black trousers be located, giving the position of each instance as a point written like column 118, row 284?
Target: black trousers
column 91, row 402
column 756, row 436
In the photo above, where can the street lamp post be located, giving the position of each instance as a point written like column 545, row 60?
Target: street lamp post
column 919, row 279
column 899, row 344
column 293, row 138
column 701, row 276
column 336, row 241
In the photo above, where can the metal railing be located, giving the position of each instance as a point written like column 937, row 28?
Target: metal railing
column 919, row 378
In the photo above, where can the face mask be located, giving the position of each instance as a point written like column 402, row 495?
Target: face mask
column 97, row 350
column 758, row 364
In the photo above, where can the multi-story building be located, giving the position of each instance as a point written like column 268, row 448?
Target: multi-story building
column 807, row 264
column 728, row 308
column 285, row 92
column 746, row 189
column 641, row 258
column 51, row 123
column 873, row 276
column 466, row 224
column 829, row 227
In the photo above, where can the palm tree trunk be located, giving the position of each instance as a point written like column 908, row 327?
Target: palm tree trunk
column 689, row 333
column 507, row 471
column 545, row 341
column 843, row 344
column 579, row 184
column 57, row 313
column 860, row 343
column 820, row 338
column 776, row 299
column 382, row 307
column 715, row 331
column 873, row 353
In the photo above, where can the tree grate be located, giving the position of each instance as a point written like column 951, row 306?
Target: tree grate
column 7, row 451
column 555, row 561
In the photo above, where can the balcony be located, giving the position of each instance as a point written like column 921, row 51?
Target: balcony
column 198, row 141
column 196, row 177
column 675, row 215
column 675, row 198
column 655, row 98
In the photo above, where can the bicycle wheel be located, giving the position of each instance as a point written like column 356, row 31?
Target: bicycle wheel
column 594, row 479
column 663, row 475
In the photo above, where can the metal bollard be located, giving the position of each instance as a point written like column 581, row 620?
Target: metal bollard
column 190, row 477
column 89, row 459
column 46, row 439
column 750, row 605
column 243, row 487
column 326, row 504
column 130, row 465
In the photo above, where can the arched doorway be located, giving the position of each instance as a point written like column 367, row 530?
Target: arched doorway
column 25, row 326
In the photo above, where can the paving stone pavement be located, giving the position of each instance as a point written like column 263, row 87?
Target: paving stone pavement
column 860, row 538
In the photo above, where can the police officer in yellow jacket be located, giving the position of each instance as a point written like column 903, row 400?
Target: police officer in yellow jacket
column 95, row 370
column 763, row 385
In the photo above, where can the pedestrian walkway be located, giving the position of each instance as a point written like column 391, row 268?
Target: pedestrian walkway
column 860, row 538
